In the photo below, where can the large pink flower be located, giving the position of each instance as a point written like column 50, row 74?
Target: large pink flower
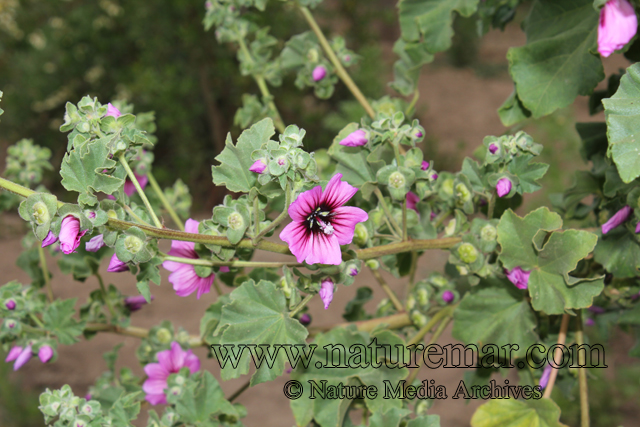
column 321, row 224
column 169, row 362
column 70, row 234
column 183, row 277
column 618, row 24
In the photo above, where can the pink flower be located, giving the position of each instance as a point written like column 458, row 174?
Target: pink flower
column 434, row 176
column 259, row 166
column 326, row 292
column 130, row 188
column 617, row 219
column 319, row 73
column 117, row 266
column 70, row 234
column 412, row 200
column 418, row 134
column 95, row 243
column 22, row 358
column 355, row 139
column 183, row 277
column 503, row 187
column 618, row 24
column 321, row 223
column 112, row 111
column 13, row 353
column 353, row 272
column 425, row 165
column 224, row 269
column 135, row 303
column 544, row 379
column 49, row 240
column 638, row 228
column 45, row 353
column 493, row 148
column 518, row 277
column 10, row 304
column 448, row 296
column 169, row 362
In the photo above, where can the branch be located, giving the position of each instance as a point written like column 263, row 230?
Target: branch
column 557, row 355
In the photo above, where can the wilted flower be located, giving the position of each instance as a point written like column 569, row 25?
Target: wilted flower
column 49, row 240
column 321, row 223
column 70, row 234
column 112, row 111
column 169, row 362
column 448, row 296
column 45, row 353
column 503, row 187
column 425, row 165
column 117, row 266
column 518, row 277
column 95, row 243
column 258, row 166
column 355, row 139
column 617, row 219
column 135, row 303
column 618, row 24
column 184, row 278
column 319, row 73
column 544, row 379
column 326, row 292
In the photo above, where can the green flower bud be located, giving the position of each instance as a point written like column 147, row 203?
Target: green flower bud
column 133, row 244
column 360, row 235
column 462, row 193
column 372, row 264
column 41, row 213
column 411, row 303
column 78, row 422
column 422, row 407
column 447, row 187
column 312, row 55
column 423, row 296
column 450, row 228
column 180, row 380
column 55, row 406
column 418, row 319
column 235, row 221
column 467, row 253
column 175, row 390
column 84, row 127
column 397, row 180
column 439, row 281
column 462, row 270
column 112, row 214
column 163, row 335
column 488, row 233
column 183, row 337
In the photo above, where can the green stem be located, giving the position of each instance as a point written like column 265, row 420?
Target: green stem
column 36, row 320
column 105, row 295
column 134, row 216
column 174, row 216
column 209, row 263
column 238, row 392
column 385, row 287
column 340, row 71
column 283, row 215
column 405, row 236
column 410, row 109
column 492, row 205
column 387, row 212
column 256, row 217
column 443, row 325
column 410, row 245
column 412, row 270
column 217, row 286
column 447, row 311
column 582, row 376
column 395, row 321
column 136, row 184
column 300, row 306
column 45, row 273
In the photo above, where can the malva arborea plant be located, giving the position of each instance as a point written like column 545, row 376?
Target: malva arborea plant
column 298, row 226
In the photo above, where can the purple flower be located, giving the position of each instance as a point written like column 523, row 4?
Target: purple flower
column 618, row 24
column 412, row 200
column 10, row 304
column 326, row 292
column 224, row 269
column 258, row 166
column 544, row 379
column 22, row 358
column 91, row 215
column 112, row 111
column 13, row 353
column 617, row 219
column 503, row 187
column 70, row 234
column 321, row 223
column 493, row 148
column 169, row 362
column 448, row 296
column 319, row 73
column 129, row 188
column 183, row 277
column 353, row 272
column 434, row 176
column 638, row 228
column 518, row 277
column 596, row 309
column 117, row 266
column 305, row 319
column 433, row 216
column 49, row 240
column 425, row 165
column 590, row 322
column 135, row 303
column 95, row 243
column 355, row 139
column 45, row 353
column 88, row 396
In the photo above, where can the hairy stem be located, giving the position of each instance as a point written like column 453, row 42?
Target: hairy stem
column 283, row 215
column 394, row 321
column 557, row 355
column 209, row 263
column 172, row 213
column 410, row 108
column 385, row 287
column 405, row 236
column 133, row 331
column 492, row 205
column 105, row 295
column 238, row 392
column 45, row 273
column 582, row 376
column 134, row 216
column 340, row 71
column 396, row 228
column 301, row 305
column 136, row 184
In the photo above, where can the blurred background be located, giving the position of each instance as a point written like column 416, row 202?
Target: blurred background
column 157, row 56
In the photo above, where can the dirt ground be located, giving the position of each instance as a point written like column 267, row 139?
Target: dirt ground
column 457, row 107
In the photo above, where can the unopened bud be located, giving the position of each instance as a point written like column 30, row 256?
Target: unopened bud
column 467, row 253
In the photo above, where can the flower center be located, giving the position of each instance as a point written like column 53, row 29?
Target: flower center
column 319, row 221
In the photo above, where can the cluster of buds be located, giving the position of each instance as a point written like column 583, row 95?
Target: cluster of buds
column 26, row 162
column 434, row 291
column 70, row 410
column 472, row 257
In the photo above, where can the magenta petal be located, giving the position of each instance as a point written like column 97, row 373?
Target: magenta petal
column 618, row 24
column 337, row 192
column 618, row 218
column 355, row 139
column 112, row 111
column 326, row 292
column 117, row 266
column 425, row 165
column 325, row 250
column 70, row 234
column 23, row 358
column 344, row 222
column 49, row 240
column 191, row 226
column 177, row 356
column 305, row 203
column 412, row 200
column 319, row 73
column 258, row 166
column 192, row 362
column 13, row 354
column 45, row 353
column 298, row 238
column 519, row 277
column 503, row 187
column 95, row 243
column 544, row 379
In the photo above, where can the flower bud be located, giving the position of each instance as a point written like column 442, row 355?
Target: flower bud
column 326, row 292
column 353, row 272
column 372, row 264
column 448, row 297
column 117, row 266
column 10, row 304
column 45, row 353
column 617, row 26
column 425, row 165
column 488, row 233
column 493, row 148
column 360, row 235
column 41, row 213
column 518, row 277
column 434, row 176
column 259, row 166
column 135, row 303
column 70, row 234
column 95, row 243
column 418, row 319
column 10, row 323
column 355, row 139
column 305, row 319
column 22, row 358
column 163, row 335
column 235, row 221
column 133, row 244
column 112, row 111
column 450, row 228
column 423, row 296
column 617, row 219
column 503, row 187
column 411, row 303
column 13, row 354
column 467, row 253
column 544, row 379
column 49, row 240
column 397, row 180
column 462, row 193
column 319, row 73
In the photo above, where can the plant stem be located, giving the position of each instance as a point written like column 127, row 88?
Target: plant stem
column 283, row 215
column 106, row 296
column 133, row 331
column 443, row 325
column 256, row 217
column 387, row 212
column 582, row 376
column 411, row 245
column 410, row 107
column 217, row 286
column 340, row 71
column 562, row 337
column 447, row 311
column 394, row 321
column 172, row 213
column 45, row 273
column 414, row 267
column 301, row 305
column 385, row 287
column 405, row 237
column 134, row 216
column 36, row 320
column 238, row 392
column 209, row 263
column 492, row 205
column 136, row 184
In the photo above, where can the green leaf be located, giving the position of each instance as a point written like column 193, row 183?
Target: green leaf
column 495, row 312
column 391, row 418
column 619, row 253
column 425, row 421
column 196, row 405
column 528, row 173
column 258, row 314
column 512, row 111
column 559, row 61
column 406, row 70
column 125, row 409
column 432, row 19
column 517, row 413
column 355, row 308
column 82, row 172
column 235, row 160
column 58, row 319
column 211, row 319
column 622, row 114
column 143, row 288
